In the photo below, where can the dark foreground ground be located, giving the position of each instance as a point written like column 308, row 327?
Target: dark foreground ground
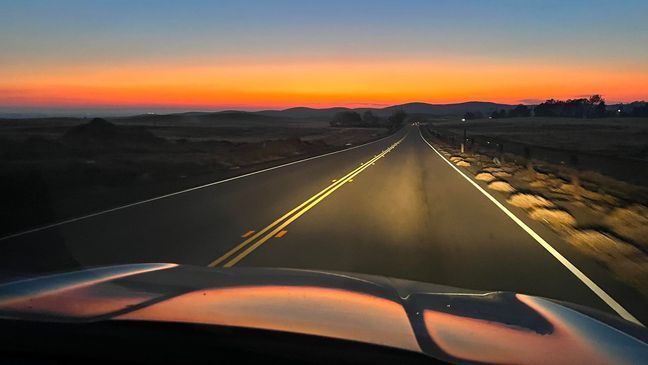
column 54, row 169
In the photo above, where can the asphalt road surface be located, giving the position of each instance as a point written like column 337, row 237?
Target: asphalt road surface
column 393, row 207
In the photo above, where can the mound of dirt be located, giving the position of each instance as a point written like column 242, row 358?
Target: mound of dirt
column 538, row 184
column 501, row 174
column 100, row 133
column 555, row 218
column 528, row 201
column 502, row 186
column 625, row 260
column 485, row 176
column 601, row 244
column 493, row 169
column 571, row 189
column 630, row 223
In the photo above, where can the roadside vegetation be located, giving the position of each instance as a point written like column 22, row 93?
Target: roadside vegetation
column 368, row 119
column 603, row 217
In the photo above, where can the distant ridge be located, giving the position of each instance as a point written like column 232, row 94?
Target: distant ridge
column 418, row 108
column 415, row 108
column 450, row 109
column 304, row 112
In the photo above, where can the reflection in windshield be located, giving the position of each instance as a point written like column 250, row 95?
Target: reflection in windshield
column 310, row 310
column 493, row 342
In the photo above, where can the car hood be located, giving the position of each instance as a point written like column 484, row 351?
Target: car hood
column 446, row 323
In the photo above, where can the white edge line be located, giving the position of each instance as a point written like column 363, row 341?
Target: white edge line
column 571, row 267
column 71, row 220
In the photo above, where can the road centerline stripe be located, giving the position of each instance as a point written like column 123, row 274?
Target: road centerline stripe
column 141, row 202
column 616, row 306
column 258, row 243
column 305, row 206
column 247, row 234
column 261, row 232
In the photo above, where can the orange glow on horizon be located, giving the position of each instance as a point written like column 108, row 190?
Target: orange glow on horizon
column 310, row 83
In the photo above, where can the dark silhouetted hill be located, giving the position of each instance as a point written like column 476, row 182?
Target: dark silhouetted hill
column 101, row 133
column 423, row 109
column 298, row 114
column 304, row 113
column 449, row 109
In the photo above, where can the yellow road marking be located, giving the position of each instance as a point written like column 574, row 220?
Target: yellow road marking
column 247, row 234
column 350, row 180
column 258, row 234
column 254, row 246
column 307, row 205
column 281, row 234
column 334, row 180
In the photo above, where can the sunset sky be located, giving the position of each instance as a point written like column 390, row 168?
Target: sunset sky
column 276, row 54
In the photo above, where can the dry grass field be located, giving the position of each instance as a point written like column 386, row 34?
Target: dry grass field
column 52, row 169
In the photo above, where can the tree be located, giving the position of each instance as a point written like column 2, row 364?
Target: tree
column 596, row 99
column 397, row 119
column 550, row 108
column 592, row 107
column 520, row 111
column 600, row 110
column 596, row 107
column 640, row 110
column 369, row 118
column 346, row 119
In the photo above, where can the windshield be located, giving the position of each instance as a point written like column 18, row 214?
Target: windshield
column 488, row 146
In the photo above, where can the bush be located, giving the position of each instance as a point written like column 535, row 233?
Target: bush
column 346, row 119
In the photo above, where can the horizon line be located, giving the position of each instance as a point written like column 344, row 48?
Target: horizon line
column 174, row 109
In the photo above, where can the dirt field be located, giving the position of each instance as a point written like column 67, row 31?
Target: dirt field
column 53, row 169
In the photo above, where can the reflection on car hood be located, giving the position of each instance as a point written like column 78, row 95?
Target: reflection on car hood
column 446, row 323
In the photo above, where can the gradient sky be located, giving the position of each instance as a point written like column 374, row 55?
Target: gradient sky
column 274, row 54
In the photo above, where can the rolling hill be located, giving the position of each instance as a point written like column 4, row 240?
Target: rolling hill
column 299, row 114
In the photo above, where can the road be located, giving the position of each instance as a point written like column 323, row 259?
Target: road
column 393, row 207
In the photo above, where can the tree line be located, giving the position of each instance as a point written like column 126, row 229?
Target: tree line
column 350, row 118
column 637, row 111
column 592, row 107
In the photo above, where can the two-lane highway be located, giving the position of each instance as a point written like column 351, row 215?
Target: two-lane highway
column 393, row 207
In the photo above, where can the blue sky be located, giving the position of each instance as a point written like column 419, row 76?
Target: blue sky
column 37, row 33
column 575, row 30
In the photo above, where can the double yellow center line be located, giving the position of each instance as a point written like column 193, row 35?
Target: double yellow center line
column 246, row 247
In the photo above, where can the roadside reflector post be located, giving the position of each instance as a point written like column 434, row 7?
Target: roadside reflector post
column 463, row 141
